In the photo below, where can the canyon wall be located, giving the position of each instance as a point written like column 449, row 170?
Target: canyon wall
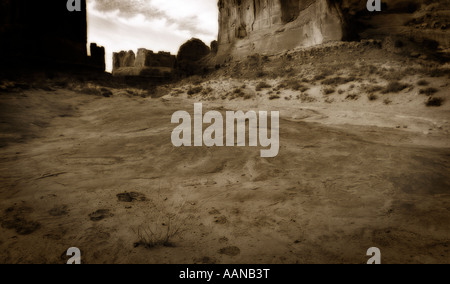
column 268, row 26
column 271, row 26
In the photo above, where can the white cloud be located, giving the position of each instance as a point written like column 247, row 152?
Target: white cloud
column 131, row 24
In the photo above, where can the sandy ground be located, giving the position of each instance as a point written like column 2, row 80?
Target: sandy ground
column 349, row 176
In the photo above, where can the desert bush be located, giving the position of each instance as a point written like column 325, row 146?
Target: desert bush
column 323, row 74
column 274, row 97
column 374, row 88
column 338, row 80
column 395, row 87
column 329, row 100
column 160, row 233
column 207, row 91
column 352, row 97
column 393, row 74
column 423, row 83
column 372, row 97
column 329, row 91
column 293, row 84
column 428, row 91
column 387, row 101
column 262, row 85
column 306, row 98
column 434, row 102
column 237, row 91
column 260, row 74
column 194, row 90
column 176, row 92
column 248, row 96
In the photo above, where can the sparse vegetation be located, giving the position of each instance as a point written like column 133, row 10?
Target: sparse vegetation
column 352, row 97
column 248, row 96
column 274, row 97
column 395, row 87
column 159, row 234
column 329, row 100
column 423, row 83
column 428, row 91
column 306, row 98
column 338, row 80
column 387, row 101
column 293, row 84
column 237, row 91
column 372, row 97
column 434, row 102
column 262, row 85
column 329, row 91
column 194, row 90
column 177, row 92
column 323, row 75
column 374, row 88
column 207, row 91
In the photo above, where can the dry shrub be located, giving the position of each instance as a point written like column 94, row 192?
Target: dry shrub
column 293, row 84
column 423, row 83
column 372, row 97
column 194, row 90
column 395, row 87
column 160, row 233
column 338, row 80
column 434, row 102
column 428, row 91
column 262, row 85
column 329, row 91
column 352, row 97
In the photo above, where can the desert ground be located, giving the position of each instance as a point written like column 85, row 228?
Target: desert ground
column 364, row 162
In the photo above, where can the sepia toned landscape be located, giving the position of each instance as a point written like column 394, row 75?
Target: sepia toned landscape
column 87, row 161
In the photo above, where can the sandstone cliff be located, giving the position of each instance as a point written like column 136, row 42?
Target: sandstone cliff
column 271, row 26
column 267, row 26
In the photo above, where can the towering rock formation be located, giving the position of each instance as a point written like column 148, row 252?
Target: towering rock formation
column 271, row 26
column 45, row 33
column 267, row 26
column 145, row 64
column 97, row 58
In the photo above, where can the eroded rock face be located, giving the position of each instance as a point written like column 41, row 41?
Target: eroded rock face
column 147, row 58
column 123, row 59
column 145, row 64
column 97, row 58
column 271, row 26
column 268, row 26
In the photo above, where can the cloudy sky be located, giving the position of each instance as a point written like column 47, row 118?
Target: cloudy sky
column 159, row 25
